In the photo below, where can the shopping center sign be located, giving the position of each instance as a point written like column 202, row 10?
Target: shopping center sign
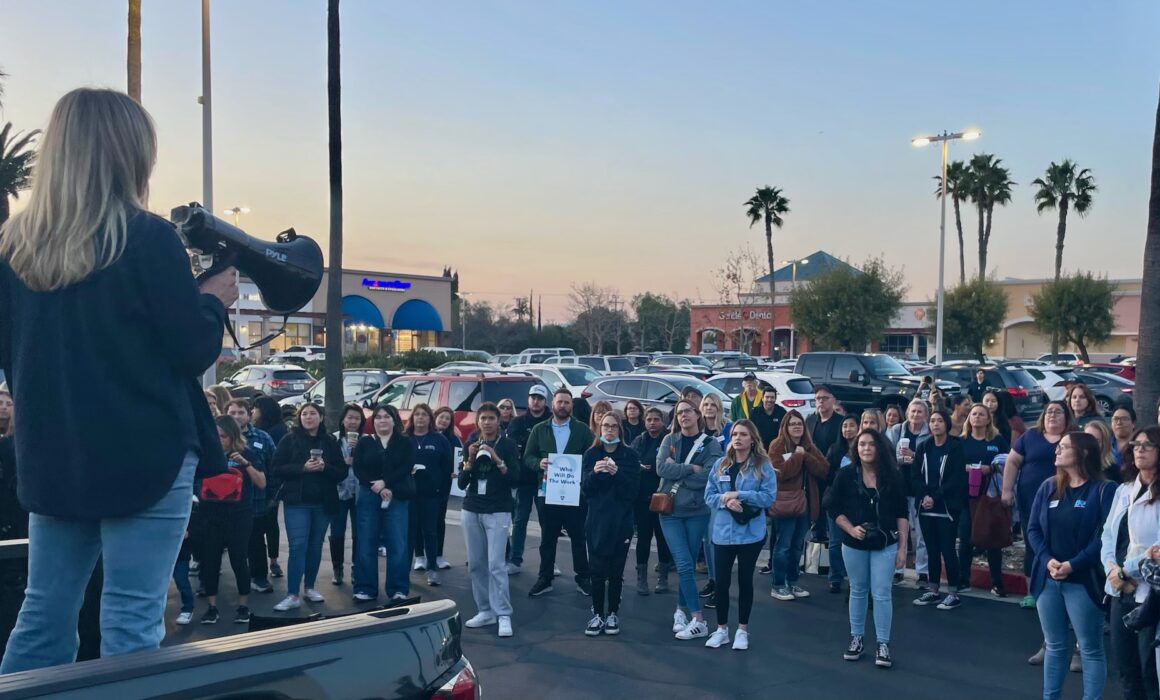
column 386, row 285
column 752, row 315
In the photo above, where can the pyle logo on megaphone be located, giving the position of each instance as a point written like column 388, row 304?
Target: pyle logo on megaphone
column 275, row 255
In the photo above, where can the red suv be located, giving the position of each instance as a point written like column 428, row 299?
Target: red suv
column 464, row 393
column 1125, row 371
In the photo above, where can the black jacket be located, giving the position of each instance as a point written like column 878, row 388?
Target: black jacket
column 519, row 430
column 392, row 465
column 768, row 426
column 945, row 483
column 498, row 498
column 824, row 434
column 433, row 466
column 849, row 497
column 646, row 446
column 838, row 450
column 610, row 499
column 299, row 487
column 138, row 334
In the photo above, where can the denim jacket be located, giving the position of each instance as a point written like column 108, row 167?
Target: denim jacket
column 752, row 492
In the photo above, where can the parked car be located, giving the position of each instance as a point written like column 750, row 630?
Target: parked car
column 466, row 366
column 1016, row 381
column 605, row 364
column 697, row 371
column 277, row 381
column 794, row 391
column 576, row 379
column 460, row 354
column 1125, row 371
column 682, row 361
column 715, row 357
column 864, row 380
column 736, row 362
column 464, row 393
column 530, row 358
column 501, row 359
column 229, row 355
column 557, row 352
column 299, row 353
column 1052, row 379
column 1060, row 358
column 975, row 357
column 660, row 390
column 357, row 385
column 786, row 365
column 1111, row 391
column 639, row 359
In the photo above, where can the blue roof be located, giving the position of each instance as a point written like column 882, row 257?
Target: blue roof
column 820, row 262
column 360, row 310
column 416, row 315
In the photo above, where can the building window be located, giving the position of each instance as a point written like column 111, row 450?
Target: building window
column 903, row 345
column 296, row 334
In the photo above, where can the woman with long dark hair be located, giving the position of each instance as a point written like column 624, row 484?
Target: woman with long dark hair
column 432, row 471
column 633, row 420
column 838, row 458
column 347, row 437
column 799, row 466
column 445, row 425
column 998, row 414
column 868, row 501
column 1067, row 518
column 1083, row 405
column 267, row 415
column 939, row 484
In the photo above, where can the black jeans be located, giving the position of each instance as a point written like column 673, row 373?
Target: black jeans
column 746, row 557
column 225, row 529
column 553, row 521
column 608, row 579
column 648, row 525
column 338, row 528
column 1132, row 652
column 441, row 526
column 967, row 554
column 939, row 535
column 264, row 536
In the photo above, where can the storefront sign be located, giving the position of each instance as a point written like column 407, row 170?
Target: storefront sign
column 386, row 285
column 752, row 315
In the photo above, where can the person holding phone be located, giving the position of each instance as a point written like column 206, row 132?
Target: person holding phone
column 868, row 502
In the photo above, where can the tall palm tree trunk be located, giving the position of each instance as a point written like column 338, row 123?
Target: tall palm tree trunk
column 1060, row 234
column 334, row 336
column 133, row 58
column 962, row 251
column 982, row 242
column 772, row 284
column 1148, row 354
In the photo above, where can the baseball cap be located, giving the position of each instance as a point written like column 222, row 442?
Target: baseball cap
column 748, row 376
column 538, row 390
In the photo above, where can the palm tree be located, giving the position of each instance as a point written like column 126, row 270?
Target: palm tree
column 133, row 58
column 1064, row 187
column 1148, row 354
column 16, row 160
column 768, row 205
column 3, row 75
column 521, row 308
column 989, row 183
column 334, row 331
column 957, row 182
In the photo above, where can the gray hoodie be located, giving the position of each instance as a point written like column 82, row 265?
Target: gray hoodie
column 690, row 498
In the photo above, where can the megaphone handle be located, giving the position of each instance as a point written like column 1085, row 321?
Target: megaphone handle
column 221, row 261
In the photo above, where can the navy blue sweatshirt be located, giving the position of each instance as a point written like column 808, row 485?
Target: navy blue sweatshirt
column 432, row 465
column 137, row 334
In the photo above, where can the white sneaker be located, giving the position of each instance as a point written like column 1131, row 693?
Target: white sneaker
column 556, row 570
column 680, row 621
column 512, row 569
column 695, row 628
column 505, row 626
column 185, row 618
column 432, row 578
column 741, row 640
column 442, row 563
column 289, row 603
column 420, row 564
column 398, row 597
column 719, row 638
column 483, row 620
column 363, row 597
column 314, row 596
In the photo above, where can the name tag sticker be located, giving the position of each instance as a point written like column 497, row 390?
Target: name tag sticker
column 787, row 455
column 1053, row 504
column 724, row 478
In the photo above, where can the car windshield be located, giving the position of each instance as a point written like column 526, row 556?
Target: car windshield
column 578, row 376
column 883, row 365
column 292, row 375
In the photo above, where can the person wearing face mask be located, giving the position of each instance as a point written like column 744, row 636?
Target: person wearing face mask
column 939, row 484
column 610, row 477
column 799, row 466
column 907, row 437
column 982, row 446
column 433, row 470
column 528, row 482
column 768, row 417
column 647, row 446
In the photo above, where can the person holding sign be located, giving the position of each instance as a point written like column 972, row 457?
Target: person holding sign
column 563, row 435
column 490, row 467
column 611, row 473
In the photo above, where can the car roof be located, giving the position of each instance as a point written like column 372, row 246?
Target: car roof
column 274, row 366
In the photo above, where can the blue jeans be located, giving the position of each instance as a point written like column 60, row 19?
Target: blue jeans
column 181, row 579
column 139, row 552
column 787, row 553
column 305, row 530
column 428, row 510
column 707, row 543
column 525, row 496
column 685, row 536
column 871, row 572
column 837, row 565
column 373, row 524
column 1058, row 603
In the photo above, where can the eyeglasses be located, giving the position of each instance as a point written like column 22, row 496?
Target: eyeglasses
column 607, row 426
column 1142, row 445
column 823, row 397
column 1121, row 419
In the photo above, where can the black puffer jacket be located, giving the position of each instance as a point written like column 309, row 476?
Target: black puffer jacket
column 393, row 465
column 298, row 487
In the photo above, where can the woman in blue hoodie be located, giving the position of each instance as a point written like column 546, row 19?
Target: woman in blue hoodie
column 432, row 472
column 741, row 487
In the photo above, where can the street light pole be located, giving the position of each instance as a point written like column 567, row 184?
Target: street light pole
column 210, row 376
column 237, row 212
column 943, row 139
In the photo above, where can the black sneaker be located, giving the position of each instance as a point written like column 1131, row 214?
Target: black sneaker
column 262, row 586
column 854, row 651
column 923, row 580
column 243, row 615
column 765, row 570
column 275, row 570
column 835, row 587
column 897, row 579
column 882, row 657
column 541, row 586
column 584, row 586
column 708, row 590
column 612, row 624
column 210, row 617
column 710, row 603
column 595, row 626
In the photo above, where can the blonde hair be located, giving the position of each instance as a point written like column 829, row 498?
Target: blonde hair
column 92, row 176
column 1104, row 438
column 992, row 431
column 757, row 454
column 876, row 414
column 719, row 421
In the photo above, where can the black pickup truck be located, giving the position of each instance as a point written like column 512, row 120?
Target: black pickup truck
column 410, row 652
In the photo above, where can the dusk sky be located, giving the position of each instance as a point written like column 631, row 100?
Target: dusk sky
column 537, row 144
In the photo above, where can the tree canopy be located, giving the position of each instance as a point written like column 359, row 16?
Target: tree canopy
column 848, row 308
column 974, row 313
column 1077, row 307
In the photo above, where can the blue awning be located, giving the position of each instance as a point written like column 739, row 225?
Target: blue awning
column 416, row 315
column 359, row 310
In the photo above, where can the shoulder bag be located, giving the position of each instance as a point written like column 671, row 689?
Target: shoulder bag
column 662, row 500
column 990, row 520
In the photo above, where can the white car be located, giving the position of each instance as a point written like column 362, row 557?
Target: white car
column 575, row 378
column 300, row 353
column 1061, row 358
column 794, row 391
column 1052, row 379
column 787, row 365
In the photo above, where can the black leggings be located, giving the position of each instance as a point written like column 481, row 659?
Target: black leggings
column 648, row 525
column 967, row 552
column 746, row 556
column 939, row 536
column 225, row 529
column 607, row 579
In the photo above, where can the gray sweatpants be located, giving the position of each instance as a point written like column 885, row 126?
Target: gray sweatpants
column 485, row 535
